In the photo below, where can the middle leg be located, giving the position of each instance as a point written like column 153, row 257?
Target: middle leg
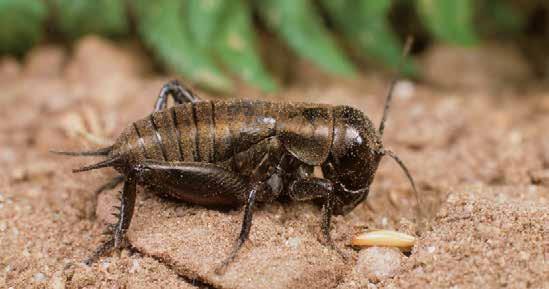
column 180, row 95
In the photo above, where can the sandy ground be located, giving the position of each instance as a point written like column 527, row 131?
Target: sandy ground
column 479, row 153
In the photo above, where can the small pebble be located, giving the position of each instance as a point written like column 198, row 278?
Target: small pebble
column 379, row 263
column 39, row 277
column 293, row 242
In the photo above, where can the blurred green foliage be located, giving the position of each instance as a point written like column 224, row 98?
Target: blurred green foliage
column 449, row 20
column 235, row 44
column 204, row 40
column 21, row 23
column 163, row 28
column 366, row 23
column 75, row 18
column 300, row 25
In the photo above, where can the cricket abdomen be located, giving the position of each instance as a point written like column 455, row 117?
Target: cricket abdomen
column 207, row 131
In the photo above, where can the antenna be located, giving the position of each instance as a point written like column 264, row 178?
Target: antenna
column 405, row 52
column 409, row 176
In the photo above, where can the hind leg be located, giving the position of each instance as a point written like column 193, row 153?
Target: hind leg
column 111, row 184
column 244, row 230
column 118, row 230
column 211, row 181
column 180, row 95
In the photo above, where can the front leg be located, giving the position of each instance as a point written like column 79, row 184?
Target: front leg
column 311, row 188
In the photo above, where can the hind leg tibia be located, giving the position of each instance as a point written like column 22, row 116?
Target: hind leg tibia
column 111, row 184
column 244, row 230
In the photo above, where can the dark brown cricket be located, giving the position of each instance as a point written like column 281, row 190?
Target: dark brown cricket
column 234, row 153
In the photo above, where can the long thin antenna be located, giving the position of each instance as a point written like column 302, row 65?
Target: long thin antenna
column 409, row 176
column 100, row 152
column 405, row 52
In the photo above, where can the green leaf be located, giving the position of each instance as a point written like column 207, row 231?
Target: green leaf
column 161, row 25
column 449, row 20
column 301, row 26
column 20, row 24
column 364, row 23
column 236, row 47
column 204, row 19
column 75, row 18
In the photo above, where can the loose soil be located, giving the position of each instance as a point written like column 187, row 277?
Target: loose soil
column 479, row 154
